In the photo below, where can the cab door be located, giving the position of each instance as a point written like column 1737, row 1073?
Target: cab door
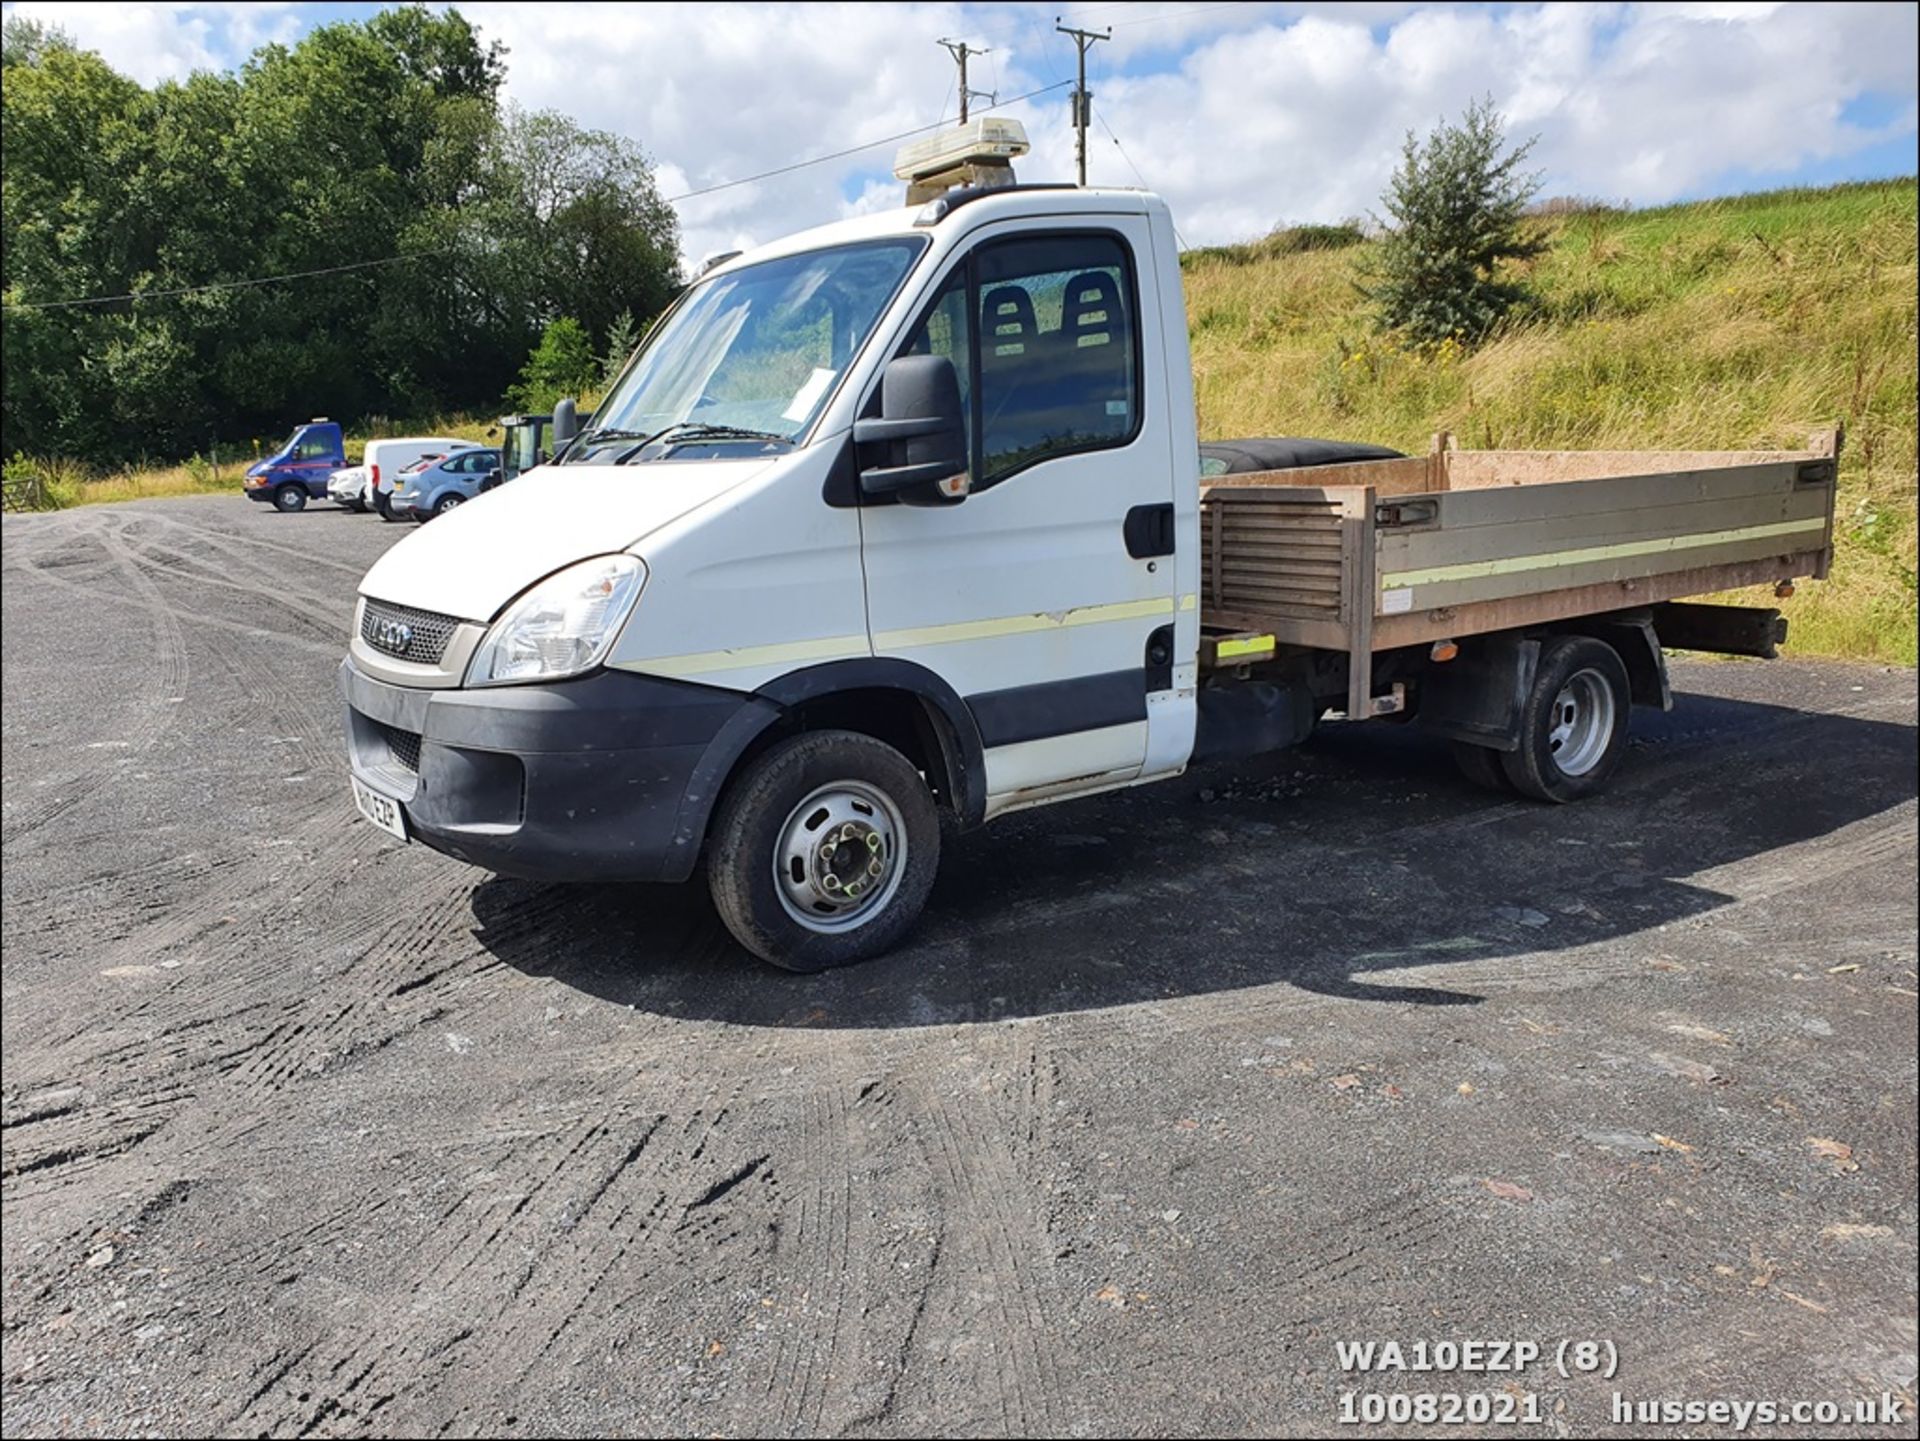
column 1047, row 598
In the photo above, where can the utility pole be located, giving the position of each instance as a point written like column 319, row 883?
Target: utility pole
column 1082, row 98
column 960, row 50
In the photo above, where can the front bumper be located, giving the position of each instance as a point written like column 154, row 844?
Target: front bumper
column 258, row 492
column 608, row 777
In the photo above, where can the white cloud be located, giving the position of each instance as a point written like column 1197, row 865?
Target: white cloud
column 1242, row 115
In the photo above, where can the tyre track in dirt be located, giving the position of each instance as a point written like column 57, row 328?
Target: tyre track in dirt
column 164, row 677
column 416, row 1153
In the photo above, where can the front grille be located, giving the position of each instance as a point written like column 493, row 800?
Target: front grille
column 404, row 747
column 405, row 633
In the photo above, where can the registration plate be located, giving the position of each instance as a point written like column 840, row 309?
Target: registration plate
column 383, row 811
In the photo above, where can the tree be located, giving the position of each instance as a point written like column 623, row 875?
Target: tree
column 434, row 233
column 1454, row 227
column 623, row 338
column 561, row 364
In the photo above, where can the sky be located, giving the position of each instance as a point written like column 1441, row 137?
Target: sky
column 1245, row 116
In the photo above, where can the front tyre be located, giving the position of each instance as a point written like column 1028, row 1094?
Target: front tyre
column 1573, row 728
column 289, row 498
column 823, row 851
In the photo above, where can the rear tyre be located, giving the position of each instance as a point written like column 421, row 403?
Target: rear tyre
column 446, row 503
column 385, row 507
column 1573, row 727
column 1482, row 767
column 823, row 851
column 289, row 498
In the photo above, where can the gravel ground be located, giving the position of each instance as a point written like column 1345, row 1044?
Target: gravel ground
column 310, row 1133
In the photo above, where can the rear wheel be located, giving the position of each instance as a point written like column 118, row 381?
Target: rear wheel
column 823, row 851
column 382, row 504
column 1573, row 727
column 290, row 498
column 446, row 503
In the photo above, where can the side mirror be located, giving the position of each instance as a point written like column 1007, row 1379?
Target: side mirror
column 917, row 449
column 566, row 423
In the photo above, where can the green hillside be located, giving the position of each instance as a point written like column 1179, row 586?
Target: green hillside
column 1725, row 324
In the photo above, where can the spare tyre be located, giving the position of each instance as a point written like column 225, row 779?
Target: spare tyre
column 1286, row 452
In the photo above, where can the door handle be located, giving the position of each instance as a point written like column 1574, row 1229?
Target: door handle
column 1148, row 530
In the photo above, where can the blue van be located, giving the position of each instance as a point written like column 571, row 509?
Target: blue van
column 297, row 472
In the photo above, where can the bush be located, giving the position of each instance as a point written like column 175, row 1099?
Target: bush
column 1293, row 239
column 623, row 338
column 42, row 484
column 563, row 363
column 1455, row 207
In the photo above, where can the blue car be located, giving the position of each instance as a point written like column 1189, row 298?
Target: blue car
column 298, row 471
column 439, row 483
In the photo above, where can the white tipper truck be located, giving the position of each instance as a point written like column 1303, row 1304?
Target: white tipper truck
column 900, row 522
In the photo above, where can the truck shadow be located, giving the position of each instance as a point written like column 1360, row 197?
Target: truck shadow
column 1346, row 869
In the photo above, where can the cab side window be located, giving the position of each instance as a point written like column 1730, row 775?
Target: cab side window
column 313, row 447
column 1057, row 350
column 946, row 331
column 1041, row 333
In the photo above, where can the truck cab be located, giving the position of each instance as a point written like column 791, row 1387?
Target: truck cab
column 299, row 470
column 901, row 517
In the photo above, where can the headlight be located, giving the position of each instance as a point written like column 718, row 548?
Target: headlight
column 562, row 626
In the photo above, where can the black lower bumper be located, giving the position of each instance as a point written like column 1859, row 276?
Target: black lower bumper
column 608, row 777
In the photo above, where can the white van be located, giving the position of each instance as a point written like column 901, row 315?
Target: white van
column 385, row 460
column 904, row 516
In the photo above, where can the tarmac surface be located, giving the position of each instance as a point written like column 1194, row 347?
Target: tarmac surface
column 308, row 1132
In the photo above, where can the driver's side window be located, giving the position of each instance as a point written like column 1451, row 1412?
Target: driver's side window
column 1051, row 317
column 946, row 332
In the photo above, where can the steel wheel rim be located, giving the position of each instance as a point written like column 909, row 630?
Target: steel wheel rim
column 840, row 855
column 1581, row 725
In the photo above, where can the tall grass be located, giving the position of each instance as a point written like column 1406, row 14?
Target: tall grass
column 1732, row 324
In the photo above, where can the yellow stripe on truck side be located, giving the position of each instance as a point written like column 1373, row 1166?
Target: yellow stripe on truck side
column 1020, row 624
column 839, row 647
column 845, row 646
column 1512, row 565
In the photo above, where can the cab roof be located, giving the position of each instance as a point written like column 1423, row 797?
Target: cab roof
column 969, row 207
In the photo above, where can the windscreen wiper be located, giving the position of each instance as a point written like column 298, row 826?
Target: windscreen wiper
column 692, row 430
column 595, row 435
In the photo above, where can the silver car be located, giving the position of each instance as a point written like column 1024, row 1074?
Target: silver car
column 439, row 483
column 348, row 486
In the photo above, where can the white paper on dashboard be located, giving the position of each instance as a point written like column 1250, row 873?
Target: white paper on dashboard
column 808, row 395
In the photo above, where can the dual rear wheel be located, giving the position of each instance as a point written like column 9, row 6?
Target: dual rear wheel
column 1573, row 726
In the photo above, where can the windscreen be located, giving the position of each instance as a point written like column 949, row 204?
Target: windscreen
column 756, row 351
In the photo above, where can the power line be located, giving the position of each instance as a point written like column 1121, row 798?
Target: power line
column 850, row 150
column 217, row 285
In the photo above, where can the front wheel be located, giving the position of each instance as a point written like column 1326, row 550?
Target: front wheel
column 289, row 498
column 823, row 851
column 1573, row 727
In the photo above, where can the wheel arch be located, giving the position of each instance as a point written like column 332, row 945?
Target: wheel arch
column 905, row 705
